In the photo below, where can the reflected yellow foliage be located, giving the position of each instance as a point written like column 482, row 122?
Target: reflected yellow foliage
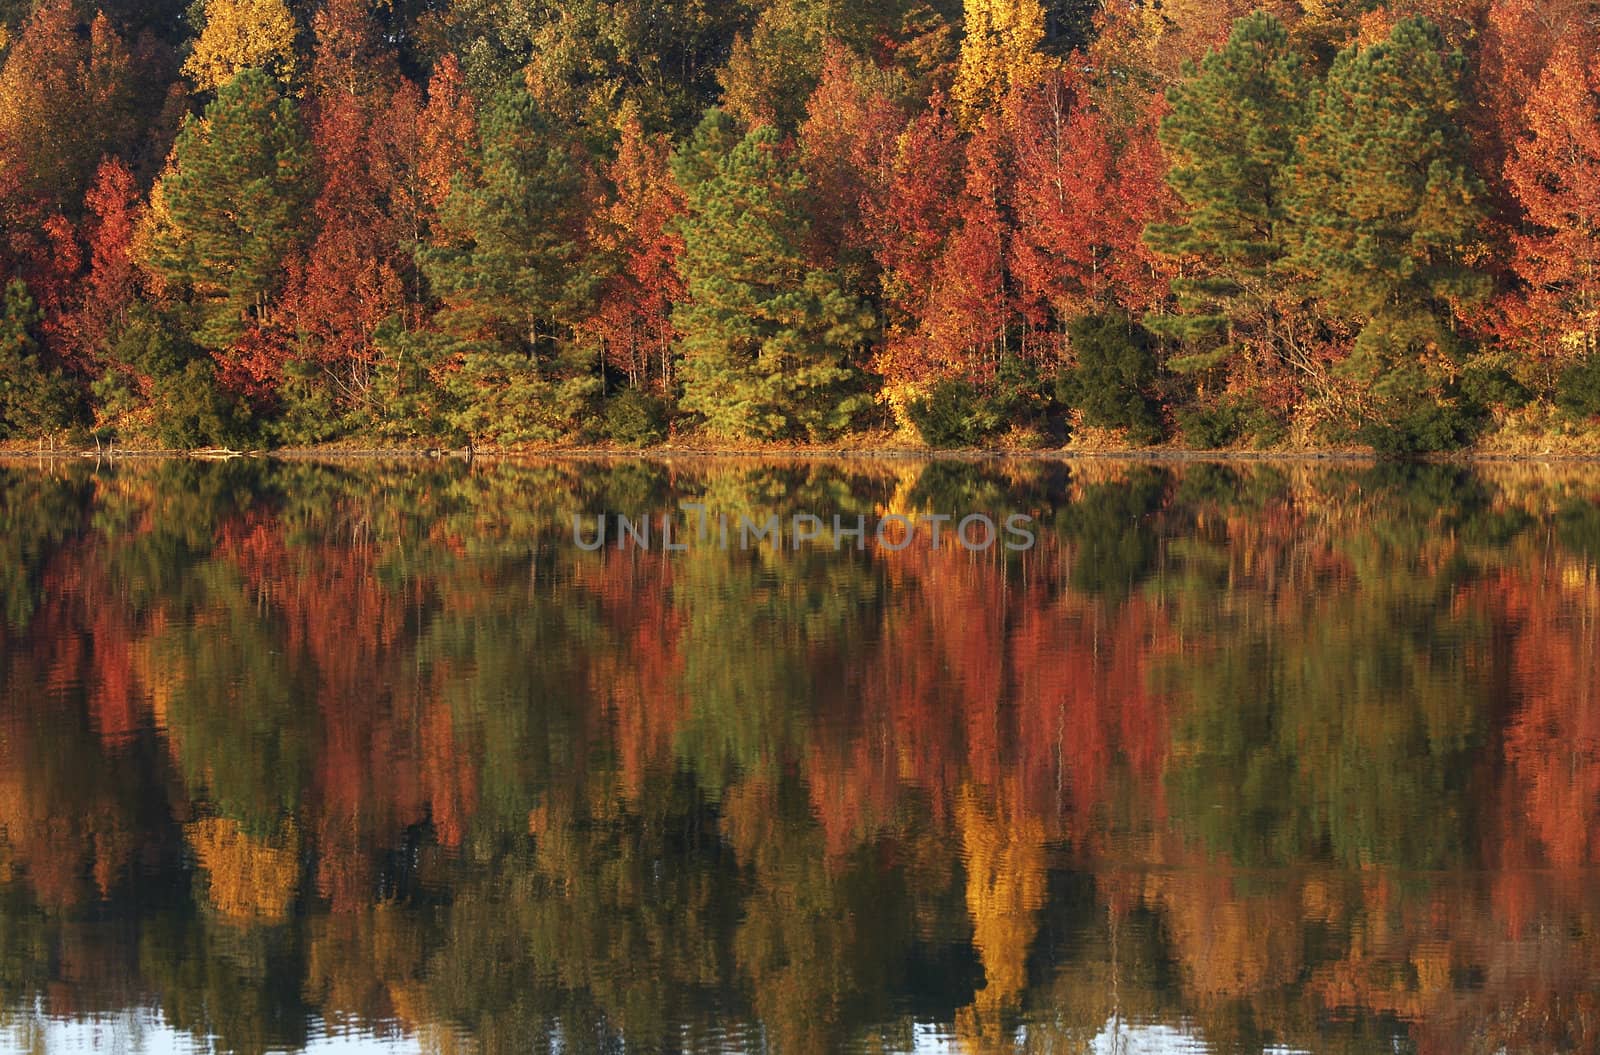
column 1230, row 946
column 249, row 879
column 1004, row 853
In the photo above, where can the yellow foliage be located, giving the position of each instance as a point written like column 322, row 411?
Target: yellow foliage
column 999, row 51
column 898, row 396
column 239, row 34
column 1005, row 858
column 249, row 878
column 1432, row 962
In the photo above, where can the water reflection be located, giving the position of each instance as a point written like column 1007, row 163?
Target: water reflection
column 300, row 756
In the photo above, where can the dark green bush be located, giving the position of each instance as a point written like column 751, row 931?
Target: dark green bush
column 636, row 418
column 192, row 411
column 1488, row 386
column 1578, row 389
column 1115, row 372
column 1209, row 427
column 949, row 415
column 1424, row 427
column 1227, row 421
column 956, row 413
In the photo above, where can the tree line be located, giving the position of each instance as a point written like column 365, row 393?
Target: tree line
column 995, row 222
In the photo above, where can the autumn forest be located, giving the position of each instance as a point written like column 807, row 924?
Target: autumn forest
column 1024, row 224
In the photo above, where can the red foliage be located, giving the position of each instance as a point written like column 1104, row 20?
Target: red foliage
column 910, row 209
column 846, row 140
column 112, row 280
column 1064, row 165
column 447, row 127
column 633, row 227
column 1085, row 190
column 1554, row 173
column 354, row 275
column 970, row 306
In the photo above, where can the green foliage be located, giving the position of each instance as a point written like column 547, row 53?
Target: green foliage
column 192, row 411
column 1231, row 134
column 1385, row 202
column 308, row 413
column 236, row 200
column 1112, row 381
column 1578, row 388
column 767, row 338
column 1415, row 421
column 1387, row 209
column 1487, row 383
column 1227, row 421
column 178, row 383
column 949, row 414
column 413, row 405
column 957, row 413
column 35, row 398
column 512, row 282
column 505, row 398
column 508, row 280
column 636, row 418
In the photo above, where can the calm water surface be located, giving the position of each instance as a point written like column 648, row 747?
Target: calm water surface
column 375, row 758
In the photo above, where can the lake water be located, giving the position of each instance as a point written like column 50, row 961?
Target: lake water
column 1267, row 757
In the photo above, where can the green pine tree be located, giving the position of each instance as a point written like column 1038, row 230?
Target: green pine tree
column 767, row 338
column 512, row 281
column 1386, row 213
column 1231, row 136
column 35, row 399
column 233, row 205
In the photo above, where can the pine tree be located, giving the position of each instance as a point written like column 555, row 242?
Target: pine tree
column 1386, row 212
column 767, row 337
column 511, row 279
column 35, row 398
column 232, row 205
column 1230, row 135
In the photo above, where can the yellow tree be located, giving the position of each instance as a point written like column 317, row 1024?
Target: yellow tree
column 999, row 49
column 240, row 34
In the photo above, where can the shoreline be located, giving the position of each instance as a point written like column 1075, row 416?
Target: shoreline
column 15, row 454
